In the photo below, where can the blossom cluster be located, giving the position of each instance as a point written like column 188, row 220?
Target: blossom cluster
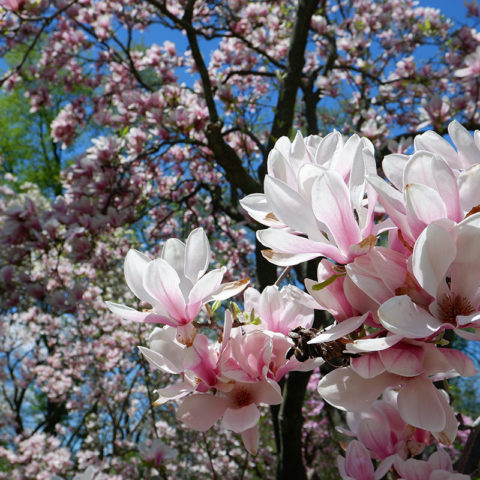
column 397, row 271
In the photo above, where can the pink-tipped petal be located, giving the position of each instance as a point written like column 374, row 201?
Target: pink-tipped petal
column 162, row 282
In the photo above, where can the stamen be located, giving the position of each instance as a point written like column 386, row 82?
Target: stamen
column 452, row 305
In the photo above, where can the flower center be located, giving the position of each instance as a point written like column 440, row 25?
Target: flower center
column 452, row 305
column 242, row 397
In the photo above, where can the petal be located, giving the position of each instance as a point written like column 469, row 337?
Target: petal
column 241, row 419
column 393, row 166
column 201, row 411
column 173, row 392
column 433, row 253
column 346, row 390
column 134, row 268
column 367, row 366
column 250, row 439
column 373, row 344
column 401, row 316
column 161, row 361
column 203, row 290
column 468, row 182
column 468, row 152
column 173, row 253
column 334, row 332
column 290, row 207
column 197, row 255
column 357, row 461
column 433, row 142
column 424, row 205
column 298, row 249
column 331, row 205
column 403, row 359
column 432, row 171
column 161, row 281
column 258, row 208
column 131, row 314
column 419, row 405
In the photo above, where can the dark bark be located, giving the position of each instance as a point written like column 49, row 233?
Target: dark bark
column 469, row 461
column 290, row 458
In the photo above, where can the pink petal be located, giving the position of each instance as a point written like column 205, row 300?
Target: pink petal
column 331, row 205
column 420, row 406
column 433, row 142
column 424, row 205
column 346, row 390
column 241, row 419
column 250, row 439
column 161, row 281
column 201, row 411
column 203, row 290
column 290, row 207
column 431, row 170
column 358, row 463
column 367, row 366
column 403, row 359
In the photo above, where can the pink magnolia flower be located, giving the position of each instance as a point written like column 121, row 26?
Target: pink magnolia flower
column 316, row 188
column 472, row 68
column 445, row 262
column 383, row 431
column 427, row 190
column 157, row 452
column 280, row 310
column 410, row 367
column 468, row 147
column 176, row 285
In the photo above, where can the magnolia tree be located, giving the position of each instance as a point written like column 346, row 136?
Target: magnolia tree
column 364, row 270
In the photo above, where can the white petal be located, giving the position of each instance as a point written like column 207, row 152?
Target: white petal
column 197, row 255
column 401, row 316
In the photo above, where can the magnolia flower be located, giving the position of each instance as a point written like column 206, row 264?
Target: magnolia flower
column 176, row 285
column 316, row 187
column 410, row 368
column 437, row 467
column 157, row 452
column 446, row 264
column 473, row 65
